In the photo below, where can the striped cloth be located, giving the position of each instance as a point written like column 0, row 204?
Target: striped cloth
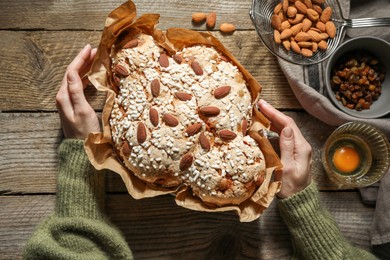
column 308, row 86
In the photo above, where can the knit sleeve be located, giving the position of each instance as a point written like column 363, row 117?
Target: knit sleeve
column 315, row 234
column 77, row 229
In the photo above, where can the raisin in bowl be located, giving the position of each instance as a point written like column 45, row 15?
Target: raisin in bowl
column 357, row 77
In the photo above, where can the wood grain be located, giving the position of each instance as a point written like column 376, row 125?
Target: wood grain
column 28, row 158
column 91, row 15
column 152, row 231
column 32, row 68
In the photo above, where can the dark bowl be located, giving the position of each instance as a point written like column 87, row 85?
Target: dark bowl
column 380, row 49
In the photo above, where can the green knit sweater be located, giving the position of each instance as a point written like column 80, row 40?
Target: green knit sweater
column 78, row 229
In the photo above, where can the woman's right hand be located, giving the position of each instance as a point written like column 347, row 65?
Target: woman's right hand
column 295, row 151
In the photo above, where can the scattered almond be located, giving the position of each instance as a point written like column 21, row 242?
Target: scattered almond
column 314, row 47
column 194, row 129
column 296, row 28
column 302, row 37
column 315, row 36
column 276, row 22
column 244, row 126
column 186, row 161
column 131, row 44
column 196, row 68
column 209, row 111
column 141, row 133
column 121, row 70
column 285, row 5
column 199, row 17
column 277, row 8
column 305, row 44
column 306, row 24
column 291, row 11
column 323, row 45
column 227, row 135
column 163, row 60
column 317, row 8
column 227, row 28
column 177, row 58
column 285, row 25
column 170, row 120
column 225, row 184
column 153, row 116
column 324, row 36
column 308, row 3
column 287, row 45
column 204, row 142
column 183, row 96
column 126, row 149
column 222, row 92
column 155, row 87
column 297, row 19
column 211, row 19
column 320, row 26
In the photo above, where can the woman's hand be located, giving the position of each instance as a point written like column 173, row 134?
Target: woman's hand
column 294, row 149
column 78, row 118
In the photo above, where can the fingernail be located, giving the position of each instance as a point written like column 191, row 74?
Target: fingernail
column 262, row 103
column 72, row 76
column 287, row 132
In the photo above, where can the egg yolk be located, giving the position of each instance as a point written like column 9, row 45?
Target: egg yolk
column 346, row 159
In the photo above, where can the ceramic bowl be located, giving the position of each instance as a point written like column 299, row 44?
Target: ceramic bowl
column 380, row 49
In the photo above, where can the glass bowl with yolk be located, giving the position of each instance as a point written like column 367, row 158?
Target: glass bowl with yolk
column 356, row 155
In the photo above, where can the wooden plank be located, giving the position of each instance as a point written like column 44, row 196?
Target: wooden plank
column 28, row 158
column 157, row 228
column 90, row 15
column 32, row 68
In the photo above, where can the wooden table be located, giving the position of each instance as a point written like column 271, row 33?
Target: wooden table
column 38, row 39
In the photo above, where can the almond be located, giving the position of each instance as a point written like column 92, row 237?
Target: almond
column 131, row 44
column 204, row 142
column 209, row 111
column 141, row 133
column 227, row 28
column 285, row 25
column 225, row 184
column 305, row 44
column 170, row 120
column 117, row 80
column 295, row 47
column 227, row 135
column 276, row 22
column 302, row 37
column 286, row 34
column 330, row 29
column 312, row 14
column 277, row 37
column 306, row 24
column 301, row 7
column 194, row 129
column 314, row 47
column 277, row 8
column 126, row 149
column 321, row 26
column 291, row 11
column 297, row 19
column 315, row 36
column 211, row 19
column 121, row 70
column 177, row 58
column 153, row 116
column 324, row 36
column 319, row 2
column 285, row 6
column 199, row 17
column 326, row 14
column 186, row 161
column 163, row 60
column 308, row 3
column 244, row 126
column 287, row 45
column 222, row 92
column 296, row 28
column 155, row 87
column 306, row 52
column 183, row 96
column 323, row 45
column 196, row 68
column 317, row 8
